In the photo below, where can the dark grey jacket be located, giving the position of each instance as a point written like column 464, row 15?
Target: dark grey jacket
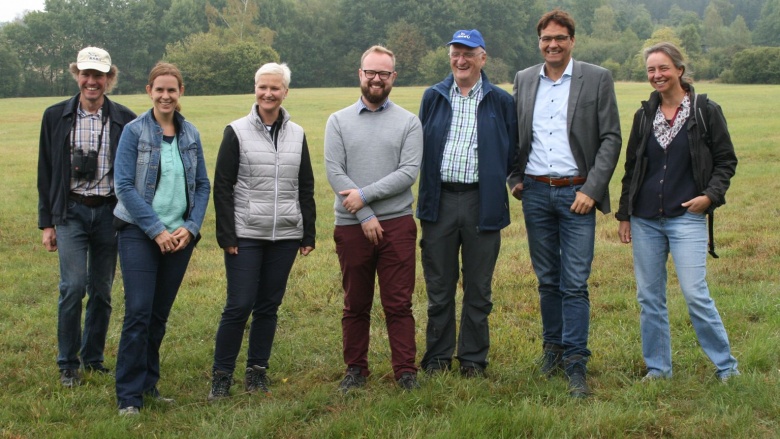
column 592, row 122
column 54, row 155
column 712, row 152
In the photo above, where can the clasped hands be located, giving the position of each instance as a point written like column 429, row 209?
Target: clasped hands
column 353, row 202
column 173, row 242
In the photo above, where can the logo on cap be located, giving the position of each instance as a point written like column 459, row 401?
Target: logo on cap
column 470, row 38
column 94, row 58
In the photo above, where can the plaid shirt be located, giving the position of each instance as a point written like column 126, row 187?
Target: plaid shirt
column 459, row 162
column 85, row 135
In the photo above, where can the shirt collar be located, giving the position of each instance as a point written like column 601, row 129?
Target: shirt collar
column 566, row 73
column 83, row 113
column 362, row 106
column 455, row 90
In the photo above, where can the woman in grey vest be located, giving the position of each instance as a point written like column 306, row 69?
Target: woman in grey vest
column 265, row 212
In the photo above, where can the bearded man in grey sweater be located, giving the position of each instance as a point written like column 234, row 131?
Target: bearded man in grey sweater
column 373, row 150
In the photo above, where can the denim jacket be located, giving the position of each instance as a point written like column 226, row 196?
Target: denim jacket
column 137, row 169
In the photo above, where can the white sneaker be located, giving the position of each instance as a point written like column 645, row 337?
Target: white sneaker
column 129, row 411
column 724, row 377
column 650, row 377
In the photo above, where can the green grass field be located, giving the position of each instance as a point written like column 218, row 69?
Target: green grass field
column 306, row 365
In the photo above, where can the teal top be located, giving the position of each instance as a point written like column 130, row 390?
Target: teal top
column 170, row 198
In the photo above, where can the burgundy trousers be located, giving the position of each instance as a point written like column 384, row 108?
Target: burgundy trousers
column 392, row 261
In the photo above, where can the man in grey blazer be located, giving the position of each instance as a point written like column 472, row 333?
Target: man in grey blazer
column 569, row 132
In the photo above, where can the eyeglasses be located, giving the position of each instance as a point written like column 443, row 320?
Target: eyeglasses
column 558, row 38
column 467, row 55
column 370, row 74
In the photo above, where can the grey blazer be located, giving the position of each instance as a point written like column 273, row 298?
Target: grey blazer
column 593, row 125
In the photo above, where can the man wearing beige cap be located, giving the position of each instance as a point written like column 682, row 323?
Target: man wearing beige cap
column 76, row 198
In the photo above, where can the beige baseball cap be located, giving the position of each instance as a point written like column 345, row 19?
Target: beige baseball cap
column 94, row 58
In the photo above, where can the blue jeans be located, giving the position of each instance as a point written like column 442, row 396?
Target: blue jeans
column 561, row 245
column 256, row 282
column 686, row 238
column 87, row 251
column 151, row 282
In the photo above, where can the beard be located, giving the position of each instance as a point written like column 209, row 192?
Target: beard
column 372, row 96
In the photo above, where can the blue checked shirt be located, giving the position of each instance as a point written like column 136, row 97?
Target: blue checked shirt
column 459, row 163
column 361, row 106
column 85, row 135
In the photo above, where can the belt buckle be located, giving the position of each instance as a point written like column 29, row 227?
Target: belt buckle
column 554, row 181
column 561, row 181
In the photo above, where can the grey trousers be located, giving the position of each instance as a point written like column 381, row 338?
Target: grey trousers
column 456, row 234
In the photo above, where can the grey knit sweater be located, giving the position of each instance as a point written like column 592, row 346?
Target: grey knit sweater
column 378, row 152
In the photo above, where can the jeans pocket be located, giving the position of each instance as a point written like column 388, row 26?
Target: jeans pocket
column 696, row 215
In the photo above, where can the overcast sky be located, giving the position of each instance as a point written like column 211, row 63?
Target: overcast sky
column 9, row 9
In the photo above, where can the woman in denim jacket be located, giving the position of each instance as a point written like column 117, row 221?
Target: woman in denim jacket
column 163, row 191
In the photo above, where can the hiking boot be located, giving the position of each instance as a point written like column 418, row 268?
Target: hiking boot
column 70, row 378
column 551, row 361
column 256, row 380
column 578, row 386
column 156, row 396
column 576, row 371
column 472, row 372
column 436, row 367
column 408, row 381
column 220, row 385
column 98, row 368
column 129, row 411
column 352, row 380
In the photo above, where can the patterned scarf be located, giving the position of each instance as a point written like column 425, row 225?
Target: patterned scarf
column 664, row 132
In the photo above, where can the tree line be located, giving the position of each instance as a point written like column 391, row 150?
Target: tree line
column 218, row 44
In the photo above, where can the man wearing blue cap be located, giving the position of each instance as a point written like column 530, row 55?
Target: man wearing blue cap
column 469, row 141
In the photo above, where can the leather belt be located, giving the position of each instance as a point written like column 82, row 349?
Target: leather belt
column 559, row 182
column 92, row 201
column 460, row 187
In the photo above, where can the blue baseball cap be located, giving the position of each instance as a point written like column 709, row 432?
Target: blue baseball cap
column 471, row 38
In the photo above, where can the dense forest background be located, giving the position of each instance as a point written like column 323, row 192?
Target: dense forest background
column 220, row 43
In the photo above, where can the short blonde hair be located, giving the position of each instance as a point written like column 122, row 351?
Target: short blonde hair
column 378, row 49
column 273, row 68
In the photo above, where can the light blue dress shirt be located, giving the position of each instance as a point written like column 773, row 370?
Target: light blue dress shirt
column 550, row 150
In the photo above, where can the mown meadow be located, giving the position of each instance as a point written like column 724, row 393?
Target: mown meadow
column 306, row 364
